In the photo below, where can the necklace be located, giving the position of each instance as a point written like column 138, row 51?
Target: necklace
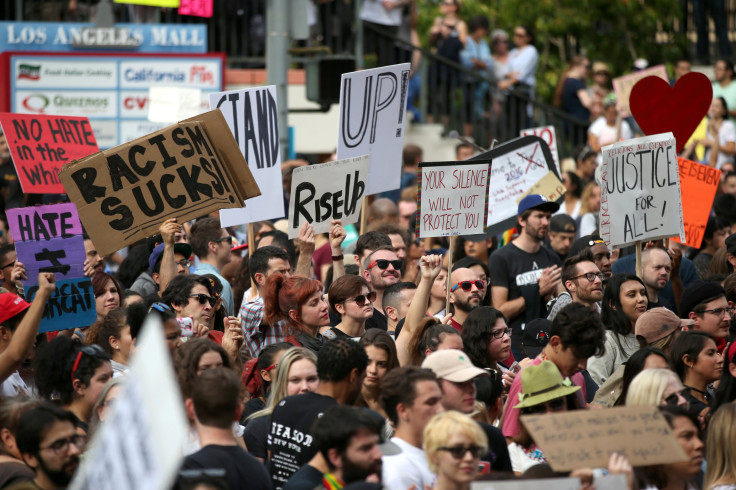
column 706, row 395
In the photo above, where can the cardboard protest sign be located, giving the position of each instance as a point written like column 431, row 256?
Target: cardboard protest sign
column 49, row 239
column 586, row 438
column 185, row 171
column 549, row 186
column 608, row 482
column 547, row 133
column 623, row 86
column 252, row 117
column 41, row 144
column 517, row 166
column 321, row 193
column 698, row 184
column 640, row 191
column 171, row 104
column 139, row 446
column 372, row 115
column 452, row 198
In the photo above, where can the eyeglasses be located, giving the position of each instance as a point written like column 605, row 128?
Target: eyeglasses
column 93, row 350
column 553, row 405
column 228, row 239
column 184, row 262
column 720, row 311
column 468, row 285
column 498, row 334
column 203, row 298
column 458, row 452
column 62, row 445
column 383, row 264
column 362, row 299
column 9, row 264
column 590, row 276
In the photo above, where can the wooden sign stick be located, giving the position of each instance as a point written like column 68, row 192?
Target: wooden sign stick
column 639, row 271
column 250, row 231
column 449, row 273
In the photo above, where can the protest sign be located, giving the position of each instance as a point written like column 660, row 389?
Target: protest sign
column 640, row 191
column 171, row 104
column 586, row 438
column 452, row 198
column 548, row 186
column 199, row 8
column 698, row 184
column 547, row 133
column 49, row 239
column 623, row 86
column 252, row 116
column 372, row 115
column 139, row 446
column 152, row 3
column 608, row 482
column 41, row 144
column 321, row 193
column 517, row 166
column 186, row 170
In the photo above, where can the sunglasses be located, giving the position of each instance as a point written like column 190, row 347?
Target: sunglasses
column 468, row 285
column 184, row 262
column 554, row 405
column 160, row 307
column 93, row 350
column 9, row 264
column 362, row 299
column 673, row 399
column 203, row 298
column 458, row 452
column 228, row 239
column 384, row 263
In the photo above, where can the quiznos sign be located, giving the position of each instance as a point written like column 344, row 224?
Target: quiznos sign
column 186, row 170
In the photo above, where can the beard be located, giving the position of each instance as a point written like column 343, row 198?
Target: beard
column 352, row 472
column 466, row 305
column 63, row 476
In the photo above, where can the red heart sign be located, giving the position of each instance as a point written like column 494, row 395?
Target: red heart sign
column 659, row 108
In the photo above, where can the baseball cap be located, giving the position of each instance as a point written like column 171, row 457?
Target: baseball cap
column 562, row 223
column 535, row 336
column 181, row 248
column 453, row 365
column 584, row 242
column 537, row 201
column 696, row 293
column 658, row 323
column 11, row 305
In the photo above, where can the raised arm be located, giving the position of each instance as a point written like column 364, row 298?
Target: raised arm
column 337, row 236
column 167, row 272
column 306, row 250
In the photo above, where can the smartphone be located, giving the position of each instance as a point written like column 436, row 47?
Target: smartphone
column 187, row 326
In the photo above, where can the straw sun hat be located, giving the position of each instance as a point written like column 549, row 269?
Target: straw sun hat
column 542, row 383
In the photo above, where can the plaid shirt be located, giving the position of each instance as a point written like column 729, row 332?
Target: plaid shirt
column 257, row 336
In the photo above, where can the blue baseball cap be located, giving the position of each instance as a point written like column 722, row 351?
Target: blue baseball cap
column 537, row 201
column 181, row 248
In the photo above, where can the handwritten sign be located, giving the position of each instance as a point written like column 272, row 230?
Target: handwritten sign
column 252, row 117
column 321, row 193
column 517, row 166
column 549, row 186
column 698, row 184
column 186, row 170
column 586, row 438
column 608, row 482
column 49, row 239
column 171, row 104
column 372, row 115
column 622, row 86
column 199, row 8
column 547, row 133
column 452, row 198
column 41, row 144
column 640, row 191
column 139, row 445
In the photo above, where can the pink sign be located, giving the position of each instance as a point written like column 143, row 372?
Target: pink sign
column 200, row 8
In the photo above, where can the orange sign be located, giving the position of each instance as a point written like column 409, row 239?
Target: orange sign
column 698, row 184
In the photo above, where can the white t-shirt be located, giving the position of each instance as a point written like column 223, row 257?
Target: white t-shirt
column 374, row 11
column 521, row 460
column 726, row 134
column 408, row 468
column 607, row 134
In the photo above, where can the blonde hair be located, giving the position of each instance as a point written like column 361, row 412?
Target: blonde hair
column 443, row 426
column 647, row 387
column 587, row 191
column 720, row 448
column 281, row 381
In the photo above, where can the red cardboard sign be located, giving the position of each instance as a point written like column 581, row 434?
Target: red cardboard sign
column 41, row 144
column 199, row 8
column 659, row 108
column 698, row 185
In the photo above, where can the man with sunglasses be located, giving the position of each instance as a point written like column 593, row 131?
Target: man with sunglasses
column 189, row 296
column 466, row 294
column 382, row 268
column 48, row 442
column 8, row 256
column 211, row 245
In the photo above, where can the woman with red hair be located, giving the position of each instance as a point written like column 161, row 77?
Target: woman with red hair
column 297, row 304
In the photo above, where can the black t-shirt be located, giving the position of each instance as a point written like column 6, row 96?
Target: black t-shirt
column 251, row 406
column 256, row 435
column 289, row 441
column 571, row 103
column 307, row 478
column 519, row 272
column 378, row 320
column 498, row 454
column 241, row 469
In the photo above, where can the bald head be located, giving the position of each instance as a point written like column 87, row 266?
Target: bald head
column 466, row 295
column 383, row 211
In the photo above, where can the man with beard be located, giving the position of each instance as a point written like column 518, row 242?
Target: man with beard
column 583, row 282
column 48, row 442
column 466, row 294
column 381, row 269
column 525, row 274
column 656, row 269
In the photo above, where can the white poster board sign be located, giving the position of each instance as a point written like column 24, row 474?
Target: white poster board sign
column 173, row 104
column 252, row 117
column 547, row 133
column 138, row 447
column 452, row 198
column 372, row 116
column 640, row 191
column 327, row 191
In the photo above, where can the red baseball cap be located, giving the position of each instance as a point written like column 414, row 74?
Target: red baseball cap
column 11, row 305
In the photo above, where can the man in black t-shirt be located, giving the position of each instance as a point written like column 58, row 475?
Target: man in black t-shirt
column 525, row 274
column 341, row 368
column 214, row 406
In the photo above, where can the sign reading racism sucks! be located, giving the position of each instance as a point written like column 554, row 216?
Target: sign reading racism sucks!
column 185, row 171
column 252, row 115
column 49, row 239
column 640, row 191
column 41, row 144
column 372, row 116
column 698, row 184
column 321, row 193
column 452, row 198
